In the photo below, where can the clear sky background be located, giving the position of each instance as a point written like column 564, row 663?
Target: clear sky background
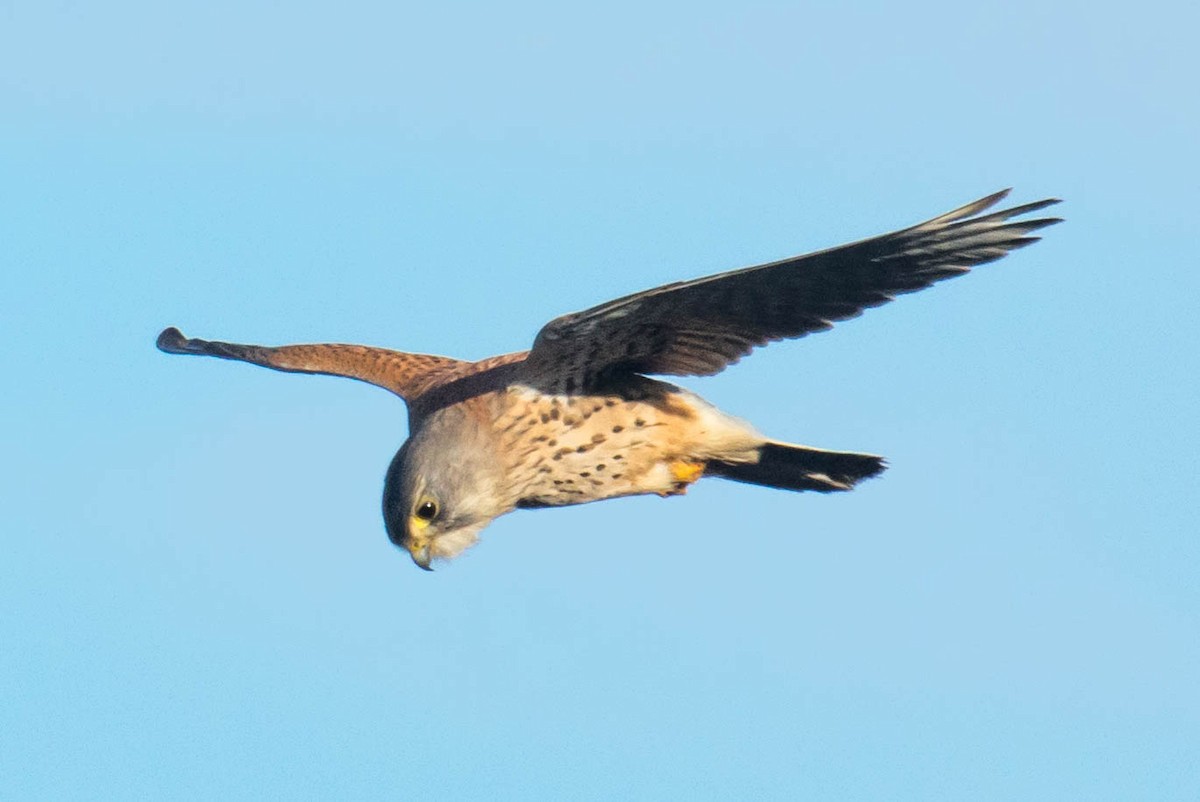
column 197, row 598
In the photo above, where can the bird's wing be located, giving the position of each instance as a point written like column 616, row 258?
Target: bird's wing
column 699, row 327
column 407, row 375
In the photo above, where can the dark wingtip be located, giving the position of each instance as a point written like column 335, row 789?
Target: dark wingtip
column 1027, row 208
column 994, row 198
column 172, row 341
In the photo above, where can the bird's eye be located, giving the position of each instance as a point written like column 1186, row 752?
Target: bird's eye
column 427, row 510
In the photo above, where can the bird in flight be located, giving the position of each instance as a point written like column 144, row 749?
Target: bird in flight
column 577, row 417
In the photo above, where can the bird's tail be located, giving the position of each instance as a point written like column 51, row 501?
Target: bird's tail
column 792, row 467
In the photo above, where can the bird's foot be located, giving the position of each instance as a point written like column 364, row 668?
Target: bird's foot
column 684, row 473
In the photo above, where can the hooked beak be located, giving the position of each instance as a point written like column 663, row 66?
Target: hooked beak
column 420, row 554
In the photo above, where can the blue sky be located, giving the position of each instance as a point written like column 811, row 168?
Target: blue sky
column 197, row 599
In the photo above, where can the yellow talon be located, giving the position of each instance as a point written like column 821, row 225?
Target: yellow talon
column 687, row 472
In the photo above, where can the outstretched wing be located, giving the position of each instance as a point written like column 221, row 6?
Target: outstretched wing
column 407, row 375
column 699, row 327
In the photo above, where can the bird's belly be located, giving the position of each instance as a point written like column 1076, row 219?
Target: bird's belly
column 600, row 473
column 577, row 449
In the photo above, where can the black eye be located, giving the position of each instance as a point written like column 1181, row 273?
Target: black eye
column 427, row 511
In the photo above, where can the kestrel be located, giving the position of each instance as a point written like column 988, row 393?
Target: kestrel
column 577, row 418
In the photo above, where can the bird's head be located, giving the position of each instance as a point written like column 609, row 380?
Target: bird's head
column 441, row 490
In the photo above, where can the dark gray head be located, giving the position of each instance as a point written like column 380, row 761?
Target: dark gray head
column 443, row 486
